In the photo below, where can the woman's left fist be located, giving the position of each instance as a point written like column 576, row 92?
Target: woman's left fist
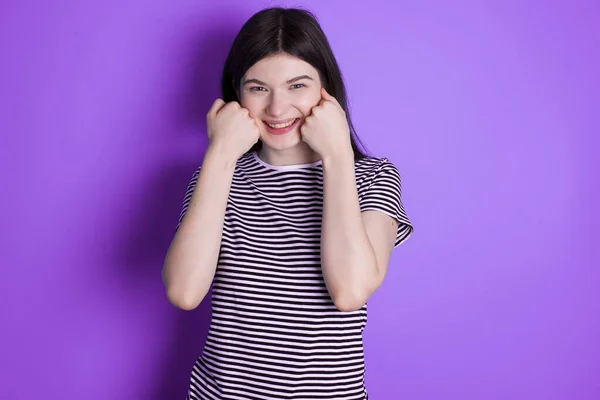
column 326, row 129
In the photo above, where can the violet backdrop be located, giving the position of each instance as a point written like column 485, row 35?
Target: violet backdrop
column 489, row 110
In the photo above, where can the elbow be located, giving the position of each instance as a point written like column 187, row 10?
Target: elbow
column 349, row 301
column 353, row 297
column 183, row 292
column 184, row 299
column 183, row 303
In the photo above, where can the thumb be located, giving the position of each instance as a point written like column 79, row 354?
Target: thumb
column 326, row 96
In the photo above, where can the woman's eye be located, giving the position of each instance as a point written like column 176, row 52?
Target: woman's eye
column 257, row 89
column 297, row 85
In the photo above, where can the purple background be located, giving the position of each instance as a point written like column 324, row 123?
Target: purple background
column 489, row 111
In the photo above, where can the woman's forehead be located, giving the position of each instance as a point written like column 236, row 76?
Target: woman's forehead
column 280, row 69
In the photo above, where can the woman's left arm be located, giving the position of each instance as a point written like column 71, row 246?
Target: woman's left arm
column 355, row 246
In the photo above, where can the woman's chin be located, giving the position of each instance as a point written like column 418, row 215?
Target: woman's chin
column 283, row 142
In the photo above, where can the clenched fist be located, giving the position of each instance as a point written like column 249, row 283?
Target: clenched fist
column 230, row 128
column 326, row 129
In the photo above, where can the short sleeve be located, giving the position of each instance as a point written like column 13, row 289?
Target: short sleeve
column 384, row 194
column 188, row 196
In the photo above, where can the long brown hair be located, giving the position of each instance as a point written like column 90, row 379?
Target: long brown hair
column 292, row 31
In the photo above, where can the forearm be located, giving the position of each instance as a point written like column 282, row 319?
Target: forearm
column 192, row 258
column 348, row 260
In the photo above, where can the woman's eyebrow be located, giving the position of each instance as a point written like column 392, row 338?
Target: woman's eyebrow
column 298, row 78
column 258, row 82
column 247, row 81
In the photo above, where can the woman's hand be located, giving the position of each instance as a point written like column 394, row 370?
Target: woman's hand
column 326, row 129
column 230, row 129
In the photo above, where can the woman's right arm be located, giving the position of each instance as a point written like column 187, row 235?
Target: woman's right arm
column 193, row 255
column 191, row 260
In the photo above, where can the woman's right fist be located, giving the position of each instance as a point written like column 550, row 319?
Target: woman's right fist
column 231, row 129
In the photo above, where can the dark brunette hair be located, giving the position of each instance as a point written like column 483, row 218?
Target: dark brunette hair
column 292, row 31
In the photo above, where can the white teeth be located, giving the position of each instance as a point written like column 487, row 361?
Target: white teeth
column 279, row 126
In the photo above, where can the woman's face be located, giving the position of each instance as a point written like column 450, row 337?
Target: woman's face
column 280, row 90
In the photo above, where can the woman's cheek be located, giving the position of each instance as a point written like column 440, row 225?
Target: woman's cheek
column 308, row 102
column 252, row 107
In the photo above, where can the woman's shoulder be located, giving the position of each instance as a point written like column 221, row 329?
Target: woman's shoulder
column 374, row 163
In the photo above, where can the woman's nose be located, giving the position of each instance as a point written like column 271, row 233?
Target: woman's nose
column 278, row 104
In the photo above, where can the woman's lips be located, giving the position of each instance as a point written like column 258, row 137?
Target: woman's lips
column 281, row 127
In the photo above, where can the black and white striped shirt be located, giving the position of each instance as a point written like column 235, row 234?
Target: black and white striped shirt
column 275, row 332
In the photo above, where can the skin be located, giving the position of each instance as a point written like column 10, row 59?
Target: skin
column 355, row 246
column 279, row 88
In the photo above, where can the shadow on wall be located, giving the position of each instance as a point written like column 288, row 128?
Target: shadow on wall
column 158, row 207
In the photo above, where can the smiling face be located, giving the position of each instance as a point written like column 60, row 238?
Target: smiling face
column 281, row 90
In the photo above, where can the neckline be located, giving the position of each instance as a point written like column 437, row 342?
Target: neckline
column 292, row 167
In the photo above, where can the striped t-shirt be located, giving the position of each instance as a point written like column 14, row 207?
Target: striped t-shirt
column 275, row 332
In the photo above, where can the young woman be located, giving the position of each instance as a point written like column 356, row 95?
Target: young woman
column 287, row 219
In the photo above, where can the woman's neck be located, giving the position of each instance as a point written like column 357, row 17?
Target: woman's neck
column 299, row 154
